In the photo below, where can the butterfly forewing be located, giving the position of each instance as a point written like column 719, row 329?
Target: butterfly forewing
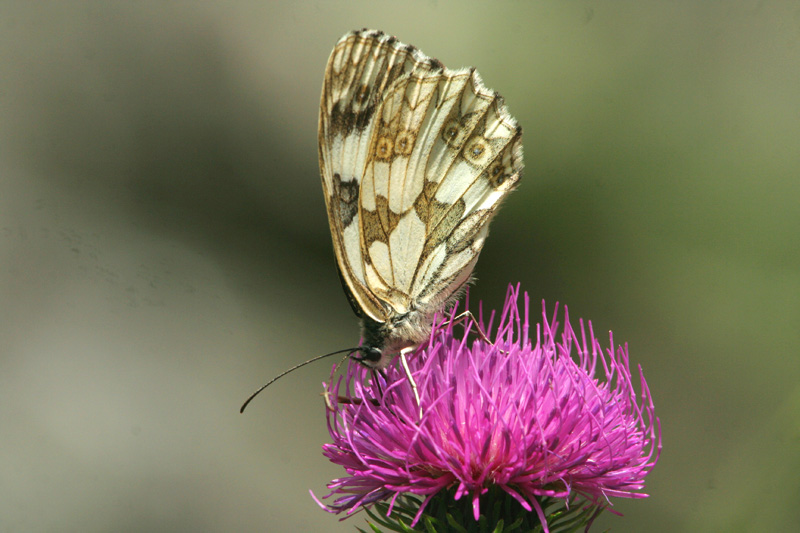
column 415, row 160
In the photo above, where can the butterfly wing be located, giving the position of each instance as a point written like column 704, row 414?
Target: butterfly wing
column 415, row 160
column 361, row 67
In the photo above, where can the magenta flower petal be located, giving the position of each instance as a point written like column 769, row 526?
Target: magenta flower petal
column 524, row 417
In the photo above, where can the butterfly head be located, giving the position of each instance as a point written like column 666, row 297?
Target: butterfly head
column 382, row 341
column 370, row 356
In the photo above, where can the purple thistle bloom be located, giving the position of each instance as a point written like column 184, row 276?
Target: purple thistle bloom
column 525, row 418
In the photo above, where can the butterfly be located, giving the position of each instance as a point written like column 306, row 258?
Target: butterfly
column 415, row 160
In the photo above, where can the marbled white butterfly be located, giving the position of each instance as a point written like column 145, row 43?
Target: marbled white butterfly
column 415, row 160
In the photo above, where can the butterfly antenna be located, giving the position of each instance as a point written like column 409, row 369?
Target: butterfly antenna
column 295, row 367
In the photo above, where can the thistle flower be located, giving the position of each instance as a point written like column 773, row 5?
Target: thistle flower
column 501, row 418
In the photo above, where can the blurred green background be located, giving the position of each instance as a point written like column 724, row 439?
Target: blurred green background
column 164, row 247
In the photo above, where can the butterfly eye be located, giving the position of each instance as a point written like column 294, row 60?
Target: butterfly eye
column 368, row 356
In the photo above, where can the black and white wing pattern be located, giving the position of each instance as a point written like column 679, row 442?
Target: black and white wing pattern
column 415, row 160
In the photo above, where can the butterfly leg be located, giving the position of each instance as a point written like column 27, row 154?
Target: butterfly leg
column 461, row 318
column 410, row 378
